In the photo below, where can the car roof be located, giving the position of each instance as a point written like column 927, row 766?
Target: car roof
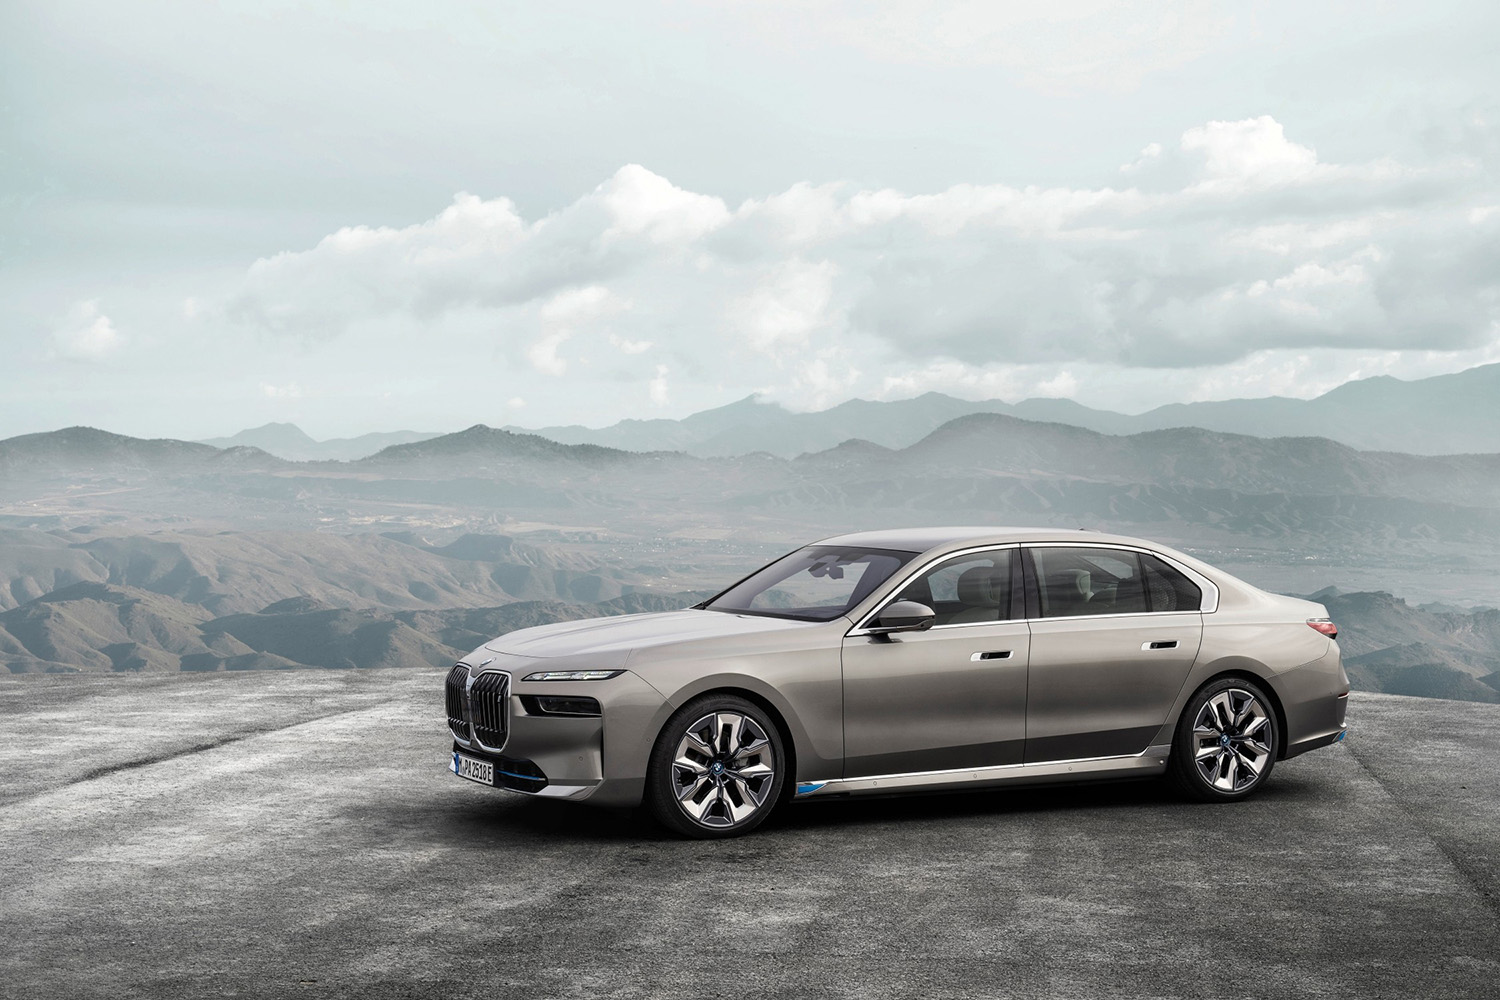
column 927, row 539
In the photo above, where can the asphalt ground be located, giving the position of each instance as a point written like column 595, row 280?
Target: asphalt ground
column 298, row 834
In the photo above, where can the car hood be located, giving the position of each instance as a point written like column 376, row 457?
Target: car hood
column 610, row 641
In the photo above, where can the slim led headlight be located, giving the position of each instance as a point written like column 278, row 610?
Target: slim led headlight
column 573, row 675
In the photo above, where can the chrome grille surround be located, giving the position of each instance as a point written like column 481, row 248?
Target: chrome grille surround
column 456, row 694
column 489, row 709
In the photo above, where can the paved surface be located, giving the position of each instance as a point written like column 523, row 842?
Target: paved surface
column 298, row 835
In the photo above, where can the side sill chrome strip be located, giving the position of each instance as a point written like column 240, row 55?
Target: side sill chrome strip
column 1151, row 759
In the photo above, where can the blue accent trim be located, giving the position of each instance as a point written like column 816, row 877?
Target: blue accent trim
column 523, row 777
column 1341, row 736
column 808, row 787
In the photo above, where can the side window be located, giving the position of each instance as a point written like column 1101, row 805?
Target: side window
column 974, row 587
column 1083, row 581
column 1169, row 590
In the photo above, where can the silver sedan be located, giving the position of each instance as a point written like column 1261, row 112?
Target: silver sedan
column 886, row 661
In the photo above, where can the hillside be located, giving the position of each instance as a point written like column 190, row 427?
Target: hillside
column 237, row 572
column 95, row 627
column 185, row 601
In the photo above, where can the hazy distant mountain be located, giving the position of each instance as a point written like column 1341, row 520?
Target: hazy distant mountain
column 997, row 445
column 988, row 465
column 481, row 444
column 1442, row 415
column 88, row 449
column 288, row 441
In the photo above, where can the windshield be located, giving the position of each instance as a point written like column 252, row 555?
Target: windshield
column 817, row 583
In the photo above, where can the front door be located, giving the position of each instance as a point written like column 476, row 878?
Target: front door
column 953, row 696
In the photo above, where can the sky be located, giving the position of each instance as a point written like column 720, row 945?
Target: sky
column 369, row 216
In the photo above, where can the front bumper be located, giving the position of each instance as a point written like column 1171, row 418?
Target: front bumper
column 601, row 759
column 516, row 774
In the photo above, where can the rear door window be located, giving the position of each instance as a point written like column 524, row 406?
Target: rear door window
column 1167, row 589
column 1088, row 581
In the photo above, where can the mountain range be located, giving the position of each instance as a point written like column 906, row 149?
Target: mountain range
column 984, row 465
column 118, row 553
column 288, row 441
column 1442, row 415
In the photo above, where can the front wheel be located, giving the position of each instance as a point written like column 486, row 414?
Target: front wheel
column 717, row 769
column 1226, row 741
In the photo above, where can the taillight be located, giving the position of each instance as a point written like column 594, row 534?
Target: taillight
column 1324, row 625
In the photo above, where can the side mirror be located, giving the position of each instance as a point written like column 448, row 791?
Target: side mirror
column 903, row 616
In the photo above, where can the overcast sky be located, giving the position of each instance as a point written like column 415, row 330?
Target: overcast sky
column 358, row 216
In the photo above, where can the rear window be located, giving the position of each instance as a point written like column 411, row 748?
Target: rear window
column 1168, row 589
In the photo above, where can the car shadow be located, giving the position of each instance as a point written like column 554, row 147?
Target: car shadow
column 506, row 822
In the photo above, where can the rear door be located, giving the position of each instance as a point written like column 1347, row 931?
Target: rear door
column 1114, row 634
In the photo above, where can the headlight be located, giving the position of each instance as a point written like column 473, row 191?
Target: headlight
column 573, row 675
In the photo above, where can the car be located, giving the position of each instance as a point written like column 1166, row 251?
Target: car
column 902, row 660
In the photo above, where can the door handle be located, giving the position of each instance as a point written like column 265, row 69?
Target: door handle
column 993, row 654
column 1166, row 644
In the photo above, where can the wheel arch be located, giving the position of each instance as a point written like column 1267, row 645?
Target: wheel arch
column 1262, row 681
column 791, row 734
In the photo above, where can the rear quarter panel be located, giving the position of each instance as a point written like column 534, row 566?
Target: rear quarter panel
column 1266, row 637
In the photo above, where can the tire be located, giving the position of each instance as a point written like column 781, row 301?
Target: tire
column 718, row 768
column 1226, row 740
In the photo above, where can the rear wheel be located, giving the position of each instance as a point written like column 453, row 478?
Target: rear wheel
column 717, row 769
column 1226, row 741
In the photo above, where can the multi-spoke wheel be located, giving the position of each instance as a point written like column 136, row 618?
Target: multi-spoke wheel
column 717, row 769
column 1226, row 741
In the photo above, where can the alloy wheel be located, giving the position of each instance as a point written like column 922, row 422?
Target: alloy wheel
column 723, row 770
column 1230, row 733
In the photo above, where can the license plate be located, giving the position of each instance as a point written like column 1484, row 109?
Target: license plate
column 481, row 771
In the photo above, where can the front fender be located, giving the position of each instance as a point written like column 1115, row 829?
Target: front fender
column 813, row 714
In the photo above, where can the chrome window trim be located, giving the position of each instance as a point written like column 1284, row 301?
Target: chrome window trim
column 1207, row 606
column 864, row 623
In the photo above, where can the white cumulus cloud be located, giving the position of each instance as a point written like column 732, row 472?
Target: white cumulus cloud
column 1235, row 241
column 86, row 334
column 657, row 388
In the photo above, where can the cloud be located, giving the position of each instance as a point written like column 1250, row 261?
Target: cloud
column 543, row 354
column 1252, row 151
column 562, row 315
column 629, row 346
column 86, row 334
column 789, row 303
column 657, row 387
column 289, row 391
column 1233, row 241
